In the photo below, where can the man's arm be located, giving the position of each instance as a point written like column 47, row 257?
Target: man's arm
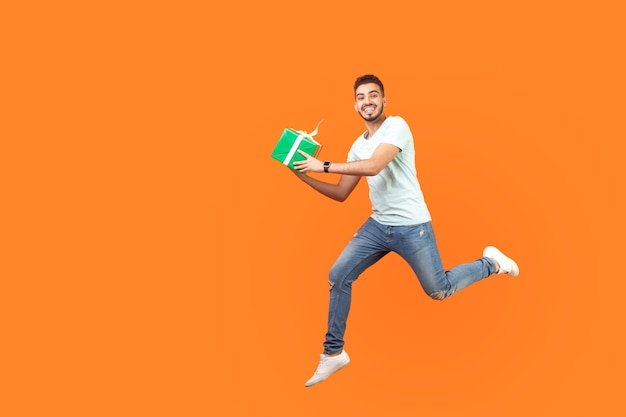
column 339, row 191
column 383, row 154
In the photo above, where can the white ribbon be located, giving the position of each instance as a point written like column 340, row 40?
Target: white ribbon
column 296, row 143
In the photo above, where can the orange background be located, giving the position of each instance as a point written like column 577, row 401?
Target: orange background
column 156, row 261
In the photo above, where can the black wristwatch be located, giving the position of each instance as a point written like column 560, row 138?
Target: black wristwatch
column 326, row 165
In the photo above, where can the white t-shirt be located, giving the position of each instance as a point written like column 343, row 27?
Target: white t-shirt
column 395, row 193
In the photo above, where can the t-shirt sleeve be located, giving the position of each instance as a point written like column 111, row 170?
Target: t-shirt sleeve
column 352, row 154
column 397, row 133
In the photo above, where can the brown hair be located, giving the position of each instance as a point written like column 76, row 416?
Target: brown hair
column 367, row 79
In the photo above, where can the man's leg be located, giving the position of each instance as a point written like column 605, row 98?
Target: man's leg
column 418, row 246
column 366, row 248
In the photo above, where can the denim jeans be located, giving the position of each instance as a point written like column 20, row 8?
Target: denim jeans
column 415, row 244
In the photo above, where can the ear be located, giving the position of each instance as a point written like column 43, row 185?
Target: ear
column 385, row 100
column 356, row 107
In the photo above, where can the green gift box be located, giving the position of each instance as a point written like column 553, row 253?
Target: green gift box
column 286, row 150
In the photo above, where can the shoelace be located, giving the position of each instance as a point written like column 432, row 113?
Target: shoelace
column 319, row 365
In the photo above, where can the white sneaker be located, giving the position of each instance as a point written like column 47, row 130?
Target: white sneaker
column 328, row 365
column 507, row 265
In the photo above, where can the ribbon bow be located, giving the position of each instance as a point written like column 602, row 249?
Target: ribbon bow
column 313, row 133
column 301, row 134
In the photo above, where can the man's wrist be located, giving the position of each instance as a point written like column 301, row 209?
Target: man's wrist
column 326, row 166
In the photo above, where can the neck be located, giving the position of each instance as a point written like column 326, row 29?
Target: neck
column 373, row 126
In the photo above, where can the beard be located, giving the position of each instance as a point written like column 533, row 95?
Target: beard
column 374, row 116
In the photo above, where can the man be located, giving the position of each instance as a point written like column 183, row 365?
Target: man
column 400, row 221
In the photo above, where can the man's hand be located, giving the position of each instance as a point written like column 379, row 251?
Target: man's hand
column 309, row 165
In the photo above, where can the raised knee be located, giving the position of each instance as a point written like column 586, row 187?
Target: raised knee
column 439, row 296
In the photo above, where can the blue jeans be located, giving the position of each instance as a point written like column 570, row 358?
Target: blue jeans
column 415, row 244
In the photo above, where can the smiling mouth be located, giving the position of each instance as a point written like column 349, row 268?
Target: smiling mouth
column 369, row 109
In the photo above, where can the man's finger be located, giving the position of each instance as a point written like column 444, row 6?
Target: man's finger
column 306, row 155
